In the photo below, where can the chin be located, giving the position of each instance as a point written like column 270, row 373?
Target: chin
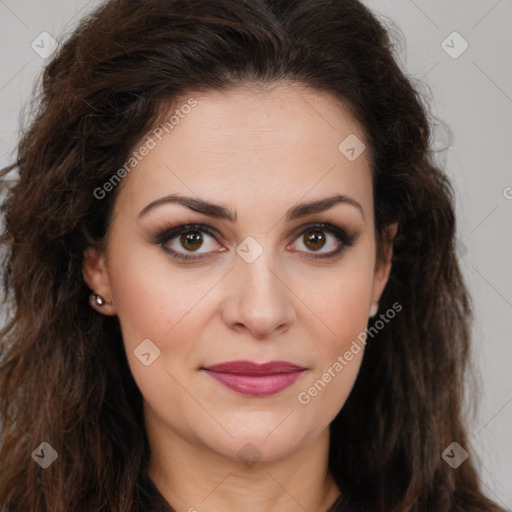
column 251, row 441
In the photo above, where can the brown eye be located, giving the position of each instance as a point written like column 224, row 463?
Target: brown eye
column 323, row 241
column 314, row 240
column 191, row 241
column 198, row 241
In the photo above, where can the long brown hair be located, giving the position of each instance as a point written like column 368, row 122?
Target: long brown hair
column 64, row 377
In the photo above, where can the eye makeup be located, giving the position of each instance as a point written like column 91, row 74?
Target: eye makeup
column 166, row 235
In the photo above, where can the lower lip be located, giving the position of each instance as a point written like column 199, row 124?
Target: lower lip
column 263, row 385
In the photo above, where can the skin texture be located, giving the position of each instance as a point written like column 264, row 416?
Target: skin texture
column 258, row 153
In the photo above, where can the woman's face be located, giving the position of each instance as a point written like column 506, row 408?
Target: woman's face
column 266, row 284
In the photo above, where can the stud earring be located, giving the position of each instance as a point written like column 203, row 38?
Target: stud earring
column 97, row 299
column 374, row 309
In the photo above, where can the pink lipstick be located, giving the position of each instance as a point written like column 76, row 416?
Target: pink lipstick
column 255, row 379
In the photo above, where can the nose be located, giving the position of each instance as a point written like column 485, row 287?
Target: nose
column 258, row 299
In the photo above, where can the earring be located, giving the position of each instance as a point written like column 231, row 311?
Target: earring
column 374, row 309
column 97, row 299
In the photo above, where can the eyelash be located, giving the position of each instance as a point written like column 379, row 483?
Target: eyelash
column 346, row 240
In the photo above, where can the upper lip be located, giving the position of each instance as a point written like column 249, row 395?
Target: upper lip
column 252, row 368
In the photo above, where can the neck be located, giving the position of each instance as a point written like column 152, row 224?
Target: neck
column 193, row 478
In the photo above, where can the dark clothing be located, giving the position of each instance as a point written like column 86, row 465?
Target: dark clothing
column 150, row 500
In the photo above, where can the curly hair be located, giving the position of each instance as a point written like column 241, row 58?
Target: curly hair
column 64, row 376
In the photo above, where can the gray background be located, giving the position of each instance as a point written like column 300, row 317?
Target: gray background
column 471, row 93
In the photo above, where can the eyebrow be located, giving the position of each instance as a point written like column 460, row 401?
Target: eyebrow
column 221, row 212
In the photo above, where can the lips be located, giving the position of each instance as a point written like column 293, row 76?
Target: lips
column 250, row 368
column 255, row 379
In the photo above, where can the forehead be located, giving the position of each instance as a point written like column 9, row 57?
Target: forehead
column 253, row 147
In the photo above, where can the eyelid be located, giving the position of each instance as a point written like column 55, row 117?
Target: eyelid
column 345, row 239
column 167, row 233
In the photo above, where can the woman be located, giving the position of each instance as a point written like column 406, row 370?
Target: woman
column 232, row 268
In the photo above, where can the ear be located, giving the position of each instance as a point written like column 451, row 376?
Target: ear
column 95, row 273
column 383, row 268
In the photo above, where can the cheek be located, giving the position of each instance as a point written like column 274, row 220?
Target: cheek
column 157, row 303
column 345, row 311
column 341, row 300
column 342, row 303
